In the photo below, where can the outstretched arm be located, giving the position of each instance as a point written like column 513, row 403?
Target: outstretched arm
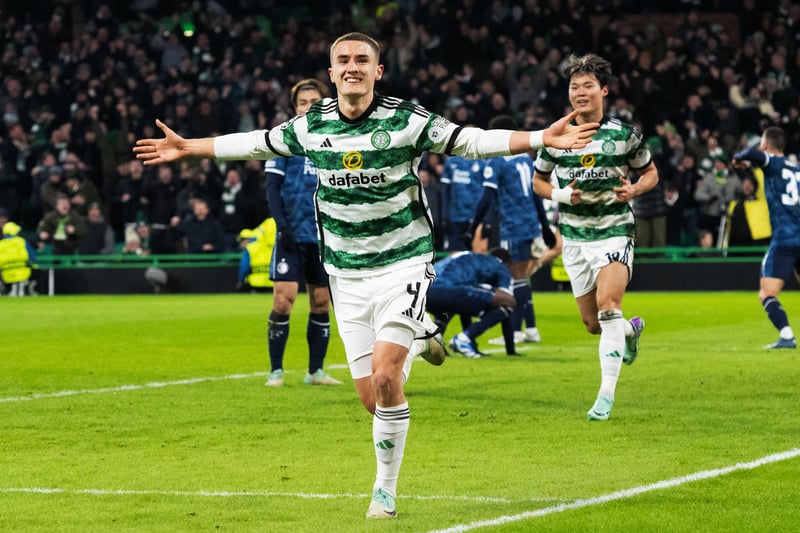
column 172, row 147
column 757, row 157
column 476, row 143
column 560, row 134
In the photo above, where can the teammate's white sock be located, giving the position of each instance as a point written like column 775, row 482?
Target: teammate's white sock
column 787, row 333
column 389, row 432
column 612, row 348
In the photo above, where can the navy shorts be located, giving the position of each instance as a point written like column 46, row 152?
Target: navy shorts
column 520, row 250
column 780, row 262
column 459, row 300
column 300, row 264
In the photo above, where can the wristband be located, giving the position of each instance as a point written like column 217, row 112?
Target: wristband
column 562, row 196
column 537, row 139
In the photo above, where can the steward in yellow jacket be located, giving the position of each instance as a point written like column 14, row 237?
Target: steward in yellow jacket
column 257, row 247
column 17, row 258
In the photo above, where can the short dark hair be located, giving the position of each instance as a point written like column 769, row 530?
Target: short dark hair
column 776, row 138
column 308, row 84
column 502, row 254
column 358, row 36
column 503, row 122
column 588, row 64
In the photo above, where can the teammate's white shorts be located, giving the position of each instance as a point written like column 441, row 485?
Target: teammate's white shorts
column 389, row 307
column 583, row 260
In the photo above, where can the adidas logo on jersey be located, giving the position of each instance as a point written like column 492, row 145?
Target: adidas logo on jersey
column 326, row 143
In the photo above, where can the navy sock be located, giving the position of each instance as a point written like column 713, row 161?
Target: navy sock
column 277, row 335
column 318, row 333
column 528, row 312
column 488, row 319
column 522, row 293
column 775, row 312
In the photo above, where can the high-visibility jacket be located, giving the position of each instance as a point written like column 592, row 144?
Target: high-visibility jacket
column 15, row 261
column 260, row 251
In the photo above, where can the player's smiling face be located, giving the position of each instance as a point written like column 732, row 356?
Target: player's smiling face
column 586, row 95
column 354, row 69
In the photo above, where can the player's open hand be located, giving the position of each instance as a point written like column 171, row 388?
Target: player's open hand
column 564, row 135
column 625, row 192
column 157, row 151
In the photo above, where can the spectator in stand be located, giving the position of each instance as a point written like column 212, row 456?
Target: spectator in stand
column 137, row 239
column 63, row 227
column 127, row 199
column 682, row 212
column 234, row 206
column 39, row 176
column 159, row 197
column 201, row 232
column 713, row 194
column 82, row 192
column 51, row 188
column 650, row 208
column 99, row 238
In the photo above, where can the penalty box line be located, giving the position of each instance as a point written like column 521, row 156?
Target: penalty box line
column 625, row 493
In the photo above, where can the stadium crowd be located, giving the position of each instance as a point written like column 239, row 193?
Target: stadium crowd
column 82, row 80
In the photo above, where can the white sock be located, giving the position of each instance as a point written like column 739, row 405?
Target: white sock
column 612, row 348
column 628, row 327
column 787, row 333
column 389, row 432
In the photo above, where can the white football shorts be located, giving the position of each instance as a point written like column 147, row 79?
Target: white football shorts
column 583, row 260
column 388, row 307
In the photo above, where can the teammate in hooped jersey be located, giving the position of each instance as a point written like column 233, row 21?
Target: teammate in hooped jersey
column 376, row 240
column 596, row 219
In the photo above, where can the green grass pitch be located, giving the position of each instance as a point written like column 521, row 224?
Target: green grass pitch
column 148, row 413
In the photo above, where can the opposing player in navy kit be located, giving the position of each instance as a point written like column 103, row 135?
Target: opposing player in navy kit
column 291, row 184
column 475, row 285
column 376, row 237
column 508, row 185
column 462, row 187
column 782, row 260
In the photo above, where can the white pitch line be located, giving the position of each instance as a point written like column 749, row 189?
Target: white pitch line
column 122, row 388
column 625, row 493
column 247, row 493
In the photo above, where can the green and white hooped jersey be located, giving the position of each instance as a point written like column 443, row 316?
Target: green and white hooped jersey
column 614, row 149
column 372, row 212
